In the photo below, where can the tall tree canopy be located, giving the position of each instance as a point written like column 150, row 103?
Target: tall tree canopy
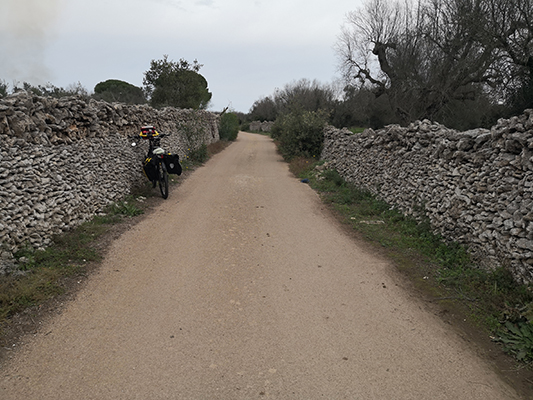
column 176, row 84
column 114, row 90
column 424, row 55
column 297, row 96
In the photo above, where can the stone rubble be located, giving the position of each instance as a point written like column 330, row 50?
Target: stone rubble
column 475, row 187
column 64, row 160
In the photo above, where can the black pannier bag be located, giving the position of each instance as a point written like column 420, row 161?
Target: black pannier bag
column 172, row 162
column 150, row 168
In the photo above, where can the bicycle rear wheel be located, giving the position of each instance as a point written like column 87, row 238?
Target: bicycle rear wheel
column 163, row 180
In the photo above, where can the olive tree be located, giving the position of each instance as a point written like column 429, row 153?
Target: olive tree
column 305, row 95
column 263, row 109
column 509, row 23
column 428, row 54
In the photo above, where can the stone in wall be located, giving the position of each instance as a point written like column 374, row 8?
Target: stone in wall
column 475, row 187
column 261, row 126
column 64, row 160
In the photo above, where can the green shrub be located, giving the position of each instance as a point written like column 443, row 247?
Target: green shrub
column 4, row 88
column 229, row 126
column 300, row 133
column 199, row 155
column 245, row 127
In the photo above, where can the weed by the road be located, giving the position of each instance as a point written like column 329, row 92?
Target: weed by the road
column 126, row 207
column 299, row 165
column 495, row 302
column 517, row 339
column 217, row 147
column 199, row 155
column 43, row 272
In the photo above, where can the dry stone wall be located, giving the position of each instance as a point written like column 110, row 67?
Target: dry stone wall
column 476, row 187
column 261, row 126
column 64, row 160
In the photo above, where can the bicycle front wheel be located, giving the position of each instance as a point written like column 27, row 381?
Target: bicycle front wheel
column 163, row 180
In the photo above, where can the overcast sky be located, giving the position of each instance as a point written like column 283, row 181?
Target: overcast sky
column 248, row 47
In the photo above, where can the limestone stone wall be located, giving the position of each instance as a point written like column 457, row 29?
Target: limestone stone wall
column 261, row 126
column 476, row 187
column 63, row 160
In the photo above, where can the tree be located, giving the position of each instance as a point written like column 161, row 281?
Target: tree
column 510, row 24
column 229, row 126
column 300, row 133
column 4, row 88
column 431, row 54
column 360, row 108
column 263, row 109
column 114, row 90
column 305, row 95
column 50, row 90
column 301, row 95
column 176, row 84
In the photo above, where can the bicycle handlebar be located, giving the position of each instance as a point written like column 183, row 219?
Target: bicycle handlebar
column 160, row 136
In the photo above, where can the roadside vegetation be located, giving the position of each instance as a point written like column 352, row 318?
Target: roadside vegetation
column 300, row 133
column 43, row 271
column 399, row 64
column 52, row 272
column 166, row 83
column 492, row 300
column 229, row 126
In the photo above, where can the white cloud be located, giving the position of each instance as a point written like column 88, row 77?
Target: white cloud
column 248, row 48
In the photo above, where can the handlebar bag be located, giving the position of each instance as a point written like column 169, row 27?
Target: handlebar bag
column 148, row 132
column 172, row 162
column 150, row 168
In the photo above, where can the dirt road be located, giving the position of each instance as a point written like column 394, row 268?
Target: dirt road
column 240, row 286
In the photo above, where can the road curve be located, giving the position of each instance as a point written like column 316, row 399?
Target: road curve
column 241, row 286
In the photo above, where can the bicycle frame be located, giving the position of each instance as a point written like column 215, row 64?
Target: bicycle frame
column 157, row 153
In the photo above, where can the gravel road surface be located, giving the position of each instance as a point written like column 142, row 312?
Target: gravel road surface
column 242, row 286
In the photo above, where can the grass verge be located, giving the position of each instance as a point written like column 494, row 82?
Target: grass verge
column 491, row 300
column 47, row 274
column 42, row 271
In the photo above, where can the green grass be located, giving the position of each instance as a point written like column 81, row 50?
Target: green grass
column 44, row 272
column 357, row 129
column 517, row 339
column 491, row 299
column 126, row 207
column 199, row 155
